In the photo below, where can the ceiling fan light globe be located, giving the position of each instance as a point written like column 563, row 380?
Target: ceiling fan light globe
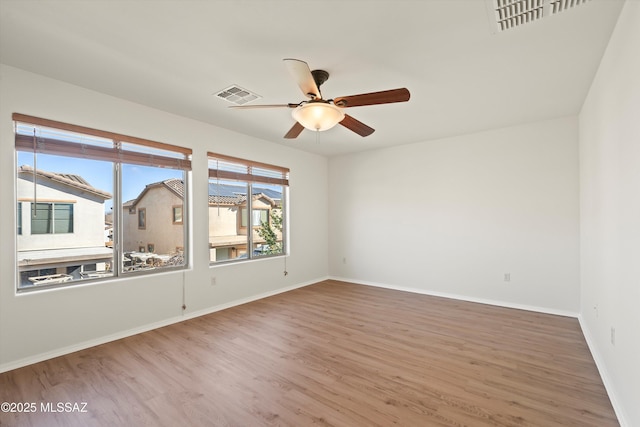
column 318, row 116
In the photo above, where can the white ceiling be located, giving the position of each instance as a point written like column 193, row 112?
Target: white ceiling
column 175, row 55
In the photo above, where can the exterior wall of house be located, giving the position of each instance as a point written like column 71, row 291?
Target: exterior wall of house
column 224, row 239
column 88, row 212
column 160, row 235
column 223, row 220
column 227, row 235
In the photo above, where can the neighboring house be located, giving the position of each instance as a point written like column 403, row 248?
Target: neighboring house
column 64, row 235
column 153, row 221
column 228, row 218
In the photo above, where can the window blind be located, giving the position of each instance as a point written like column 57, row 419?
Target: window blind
column 63, row 139
column 233, row 168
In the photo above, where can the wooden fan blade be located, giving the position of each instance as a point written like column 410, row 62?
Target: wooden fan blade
column 294, row 131
column 303, row 77
column 373, row 98
column 249, row 107
column 357, row 126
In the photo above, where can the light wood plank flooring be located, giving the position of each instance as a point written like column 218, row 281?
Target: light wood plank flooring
column 330, row 354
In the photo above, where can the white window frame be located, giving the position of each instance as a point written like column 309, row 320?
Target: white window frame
column 227, row 168
column 63, row 139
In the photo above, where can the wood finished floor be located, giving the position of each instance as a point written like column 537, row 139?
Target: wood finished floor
column 330, row 354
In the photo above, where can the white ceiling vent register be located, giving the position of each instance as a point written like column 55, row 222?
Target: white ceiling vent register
column 237, row 95
column 508, row 14
column 560, row 5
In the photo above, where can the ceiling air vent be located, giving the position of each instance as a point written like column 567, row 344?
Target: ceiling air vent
column 508, row 14
column 561, row 5
column 237, row 95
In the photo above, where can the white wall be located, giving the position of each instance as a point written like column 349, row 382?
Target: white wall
column 452, row 216
column 34, row 326
column 610, row 215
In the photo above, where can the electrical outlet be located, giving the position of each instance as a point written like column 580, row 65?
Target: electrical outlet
column 613, row 336
column 213, row 281
column 507, row 277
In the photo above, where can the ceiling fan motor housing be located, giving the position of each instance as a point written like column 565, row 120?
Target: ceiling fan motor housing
column 320, row 76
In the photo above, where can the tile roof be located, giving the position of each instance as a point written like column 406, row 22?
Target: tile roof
column 226, row 194
column 67, row 179
column 219, row 194
column 174, row 184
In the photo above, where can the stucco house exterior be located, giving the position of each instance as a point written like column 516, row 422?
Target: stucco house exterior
column 228, row 219
column 64, row 236
column 153, row 221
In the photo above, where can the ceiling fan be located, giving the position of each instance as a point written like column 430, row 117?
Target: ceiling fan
column 319, row 114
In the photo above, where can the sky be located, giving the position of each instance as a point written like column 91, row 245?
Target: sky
column 99, row 174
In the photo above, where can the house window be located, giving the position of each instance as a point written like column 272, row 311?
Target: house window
column 237, row 187
column 176, row 212
column 74, row 222
column 258, row 218
column 142, row 218
column 52, row 218
column 19, row 218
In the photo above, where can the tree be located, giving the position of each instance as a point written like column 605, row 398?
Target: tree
column 270, row 236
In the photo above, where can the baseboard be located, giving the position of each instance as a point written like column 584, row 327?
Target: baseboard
column 604, row 374
column 249, row 299
column 505, row 304
column 145, row 328
column 86, row 344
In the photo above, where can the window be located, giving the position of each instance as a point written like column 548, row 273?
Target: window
column 41, row 220
column 237, row 187
column 259, row 217
column 83, row 196
column 19, row 218
column 142, row 218
column 62, row 218
column 52, row 218
column 177, row 214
